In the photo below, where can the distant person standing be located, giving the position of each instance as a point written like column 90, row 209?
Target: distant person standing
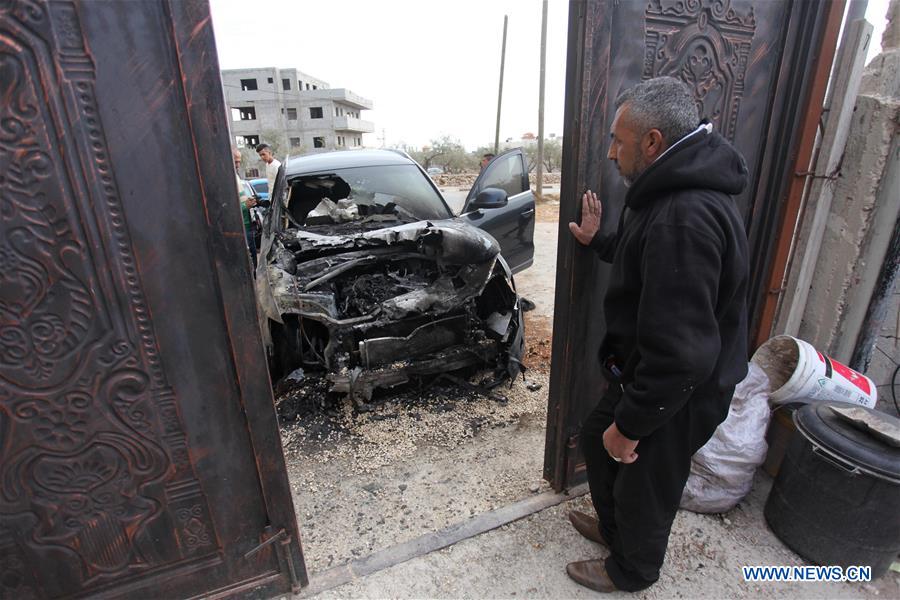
column 485, row 159
column 272, row 164
column 247, row 202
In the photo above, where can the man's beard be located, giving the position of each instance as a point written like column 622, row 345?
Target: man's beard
column 633, row 175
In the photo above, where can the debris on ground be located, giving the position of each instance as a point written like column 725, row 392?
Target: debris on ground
column 538, row 342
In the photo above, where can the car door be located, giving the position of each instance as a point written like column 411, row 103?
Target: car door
column 511, row 225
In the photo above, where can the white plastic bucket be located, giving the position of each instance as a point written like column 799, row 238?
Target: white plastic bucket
column 798, row 372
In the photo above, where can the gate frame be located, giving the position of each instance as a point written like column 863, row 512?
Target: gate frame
column 798, row 98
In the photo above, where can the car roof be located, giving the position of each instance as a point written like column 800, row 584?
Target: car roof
column 328, row 161
column 258, row 180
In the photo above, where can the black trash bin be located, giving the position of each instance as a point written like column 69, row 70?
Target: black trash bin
column 836, row 500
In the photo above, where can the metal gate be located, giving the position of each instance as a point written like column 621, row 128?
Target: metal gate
column 751, row 66
column 139, row 451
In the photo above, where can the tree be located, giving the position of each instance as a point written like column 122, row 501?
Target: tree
column 438, row 150
column 553, row 154
column 456, row 160
column 445, row 152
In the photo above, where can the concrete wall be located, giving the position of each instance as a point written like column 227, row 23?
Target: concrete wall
column 861, row 227
column 886, row 355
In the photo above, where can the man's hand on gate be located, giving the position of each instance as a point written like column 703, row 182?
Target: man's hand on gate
column 590, row 219
column 619, row 447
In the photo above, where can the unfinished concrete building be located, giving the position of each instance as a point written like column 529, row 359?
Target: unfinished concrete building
column 298, row 112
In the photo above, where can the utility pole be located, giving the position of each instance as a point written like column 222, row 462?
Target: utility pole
column 540, row 148
column 500, row 93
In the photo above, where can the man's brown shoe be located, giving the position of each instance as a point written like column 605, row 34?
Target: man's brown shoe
column 591, row 574
column 587, row 526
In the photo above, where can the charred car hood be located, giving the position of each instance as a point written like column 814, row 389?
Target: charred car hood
column 302, row 262
column 451, row 241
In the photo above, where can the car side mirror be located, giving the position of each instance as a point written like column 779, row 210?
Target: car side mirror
column 490, row 198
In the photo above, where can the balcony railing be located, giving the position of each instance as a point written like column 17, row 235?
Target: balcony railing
column 346, row 123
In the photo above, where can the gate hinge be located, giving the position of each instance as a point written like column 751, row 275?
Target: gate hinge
column 282, row 540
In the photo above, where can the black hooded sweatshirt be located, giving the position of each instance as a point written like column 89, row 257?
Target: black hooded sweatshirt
column 676, row 305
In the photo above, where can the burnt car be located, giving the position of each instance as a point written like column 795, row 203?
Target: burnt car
column 367, row 278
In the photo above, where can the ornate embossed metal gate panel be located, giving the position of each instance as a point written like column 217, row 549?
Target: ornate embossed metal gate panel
column 138, row 445
column 750, row 65
column 707, row 47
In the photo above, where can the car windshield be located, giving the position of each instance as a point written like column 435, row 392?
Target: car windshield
column 261, row 187
column 354, row 193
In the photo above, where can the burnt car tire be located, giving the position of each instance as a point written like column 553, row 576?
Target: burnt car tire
column 285, row 348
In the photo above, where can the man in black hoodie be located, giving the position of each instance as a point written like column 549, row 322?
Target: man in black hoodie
column 676, row 316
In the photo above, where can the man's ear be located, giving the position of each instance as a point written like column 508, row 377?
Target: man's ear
column 653, row 144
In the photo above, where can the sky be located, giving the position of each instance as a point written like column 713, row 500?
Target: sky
column 431, row 67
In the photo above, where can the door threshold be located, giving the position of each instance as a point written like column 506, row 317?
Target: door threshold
column 438, row 540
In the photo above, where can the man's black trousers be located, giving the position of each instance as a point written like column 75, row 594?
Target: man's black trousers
column 636, row 503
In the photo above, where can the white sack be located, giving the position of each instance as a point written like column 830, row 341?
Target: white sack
column 722, row 470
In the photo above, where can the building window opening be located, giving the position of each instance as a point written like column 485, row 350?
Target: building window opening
column 295, row 142
column 246, row 141
column 292, row 114
column 315, row 112
column 286, row 84
column 315, row 87
column 270, row 80
column 307, row 86
column 251, row 173
column 248, row 85
column 318, row 142
column 244, row 113
column 299, row 85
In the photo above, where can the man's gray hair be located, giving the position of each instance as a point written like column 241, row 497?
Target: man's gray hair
column 663, row 103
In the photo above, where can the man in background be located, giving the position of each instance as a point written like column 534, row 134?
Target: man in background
column 272, row 164
column 247, row 202
column 676, row 317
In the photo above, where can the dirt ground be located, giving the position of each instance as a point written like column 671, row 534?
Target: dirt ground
column 418, row 463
